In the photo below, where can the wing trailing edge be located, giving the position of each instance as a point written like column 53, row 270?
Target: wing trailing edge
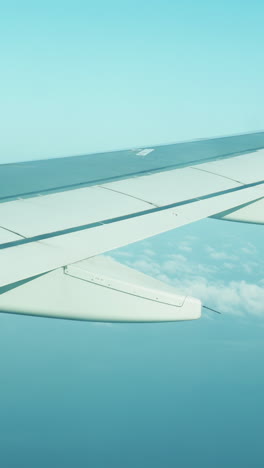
column 99, row 289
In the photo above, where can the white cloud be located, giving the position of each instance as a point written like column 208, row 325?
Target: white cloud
column 220, row 278
column 146, row 266
column 191, row 238
column 178, row 264
column 185, row 248
column 250, row 267
column 229, row 266
column 219, row 255
column 199, row 280
column 124, row 254
column 247, row 268
column 249, row 249
column 177, row 257
column 235, row 297
column 149, row 252
column 170, row 267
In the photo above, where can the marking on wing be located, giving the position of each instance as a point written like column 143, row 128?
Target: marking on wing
column 145, row 152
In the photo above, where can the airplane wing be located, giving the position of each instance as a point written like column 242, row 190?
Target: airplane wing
column 58, row 216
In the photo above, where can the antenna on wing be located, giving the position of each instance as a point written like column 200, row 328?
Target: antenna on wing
column 212, row 310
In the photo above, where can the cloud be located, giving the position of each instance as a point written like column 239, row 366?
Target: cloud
column 178, row 264
column 185, row 247
column 205, row 280
column 191, row 238
column 121, row 253
column 219, row 255
column 249, row 249
column 234, row 297
column 143, row 264
column 229, row 266
column 149, row 252
column 249, row 267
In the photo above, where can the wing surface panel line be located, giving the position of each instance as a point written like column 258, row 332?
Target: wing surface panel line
column 215, row 173
column 13, row 232
column 128, row 195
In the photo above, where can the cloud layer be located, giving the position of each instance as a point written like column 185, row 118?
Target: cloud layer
column 226, row 276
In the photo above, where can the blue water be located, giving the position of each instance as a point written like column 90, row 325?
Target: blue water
column 76, row 394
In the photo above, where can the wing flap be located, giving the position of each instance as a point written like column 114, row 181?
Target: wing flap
column 100, row 289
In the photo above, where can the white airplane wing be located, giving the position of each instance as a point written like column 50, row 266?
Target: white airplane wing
column 58, row 216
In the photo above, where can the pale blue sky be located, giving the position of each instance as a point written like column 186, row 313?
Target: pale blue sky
column 81, row 76
column 78, row 77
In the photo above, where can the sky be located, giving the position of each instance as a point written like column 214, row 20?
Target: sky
column 81, row 77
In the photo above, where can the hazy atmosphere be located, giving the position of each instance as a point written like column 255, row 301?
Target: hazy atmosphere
column 79, row 77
